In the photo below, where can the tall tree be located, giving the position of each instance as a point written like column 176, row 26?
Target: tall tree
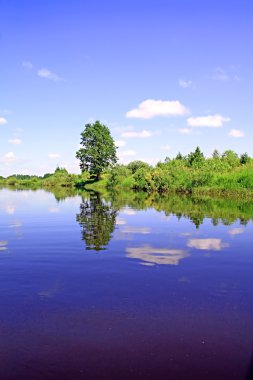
column 98, row 151
column 244, row 158
column 216, row 154
column 231, row 158
column 196, row 158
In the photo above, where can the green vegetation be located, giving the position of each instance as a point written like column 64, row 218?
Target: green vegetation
column 97, row 220
column 223, row 174
column 59, row 179
column 196, row 208
column 98, row 151
column 97, row 216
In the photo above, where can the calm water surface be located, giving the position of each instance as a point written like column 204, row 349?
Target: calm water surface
column 124, row 288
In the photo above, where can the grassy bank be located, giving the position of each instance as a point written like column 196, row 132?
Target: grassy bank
column 221, row 175
column 226, row 175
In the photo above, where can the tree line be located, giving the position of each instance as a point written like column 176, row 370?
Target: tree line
column 193, row 172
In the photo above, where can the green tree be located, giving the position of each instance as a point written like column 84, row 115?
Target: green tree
column 98, row 151
column 231, row 158
column 216, row 154
column 244, row 158
column 59, row 170
column 135, row 165
column 179, row 156
column 196, row 158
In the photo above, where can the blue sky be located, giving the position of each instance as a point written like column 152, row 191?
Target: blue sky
column 164, row 76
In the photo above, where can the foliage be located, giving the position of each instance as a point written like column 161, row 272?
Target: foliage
column 97, row 220
column 188, row 174
column 231, row 158
column 118, row 174
column 98, row 151
column 196, row 158
column 60, row 171
column 135, row 165
column 244, row 158
column 222, row 174
column 216, row 154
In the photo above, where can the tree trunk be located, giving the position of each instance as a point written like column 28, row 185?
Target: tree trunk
column 98, row 176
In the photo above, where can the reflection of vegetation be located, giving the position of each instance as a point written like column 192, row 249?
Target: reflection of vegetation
column 195, row 208
column 59, row 192
column 225, row 211
column 97, row 219
column 220, row 210
column 62, row 193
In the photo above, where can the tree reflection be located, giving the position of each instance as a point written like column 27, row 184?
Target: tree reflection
column 97, row 220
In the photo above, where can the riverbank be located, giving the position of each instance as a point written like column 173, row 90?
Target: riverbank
column 213, row 177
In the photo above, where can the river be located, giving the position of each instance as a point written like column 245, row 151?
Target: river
column 125, row 287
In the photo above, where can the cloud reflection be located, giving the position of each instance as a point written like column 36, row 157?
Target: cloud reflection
column 207, row 244
column 152, row 255
column 120, row 221
column 15, row 224
column 3, row 245
column 136, row 230
column 54, row 210
column 236, row 231
column 10, row 209
column 128, row 211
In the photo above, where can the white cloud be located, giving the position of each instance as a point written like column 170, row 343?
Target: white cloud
column 207, row 244
column 120, row 143
column 151, row 160
column 54, row 210
column 212, row 121
column 3, row 245
column 15, row 141
column 132, row 134
column 185, row 83
column 9, row 158
column 136, row 230
column 128, row 211
column 72, row 167
column 120, row 221
column 236, row 133
column 166, row 148
column 236, row 231
column 53, row 155
column 10, row 209
column 3, row 121
column 45, row 73
column 126, row 153
column 27, row 65
column 185, row 131
column 220, row 74
column 154, row 255
column 150, row 108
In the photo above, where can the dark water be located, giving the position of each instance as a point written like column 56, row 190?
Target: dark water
column 126, row 287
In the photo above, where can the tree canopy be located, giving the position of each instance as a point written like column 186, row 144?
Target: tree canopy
column 98, row 151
